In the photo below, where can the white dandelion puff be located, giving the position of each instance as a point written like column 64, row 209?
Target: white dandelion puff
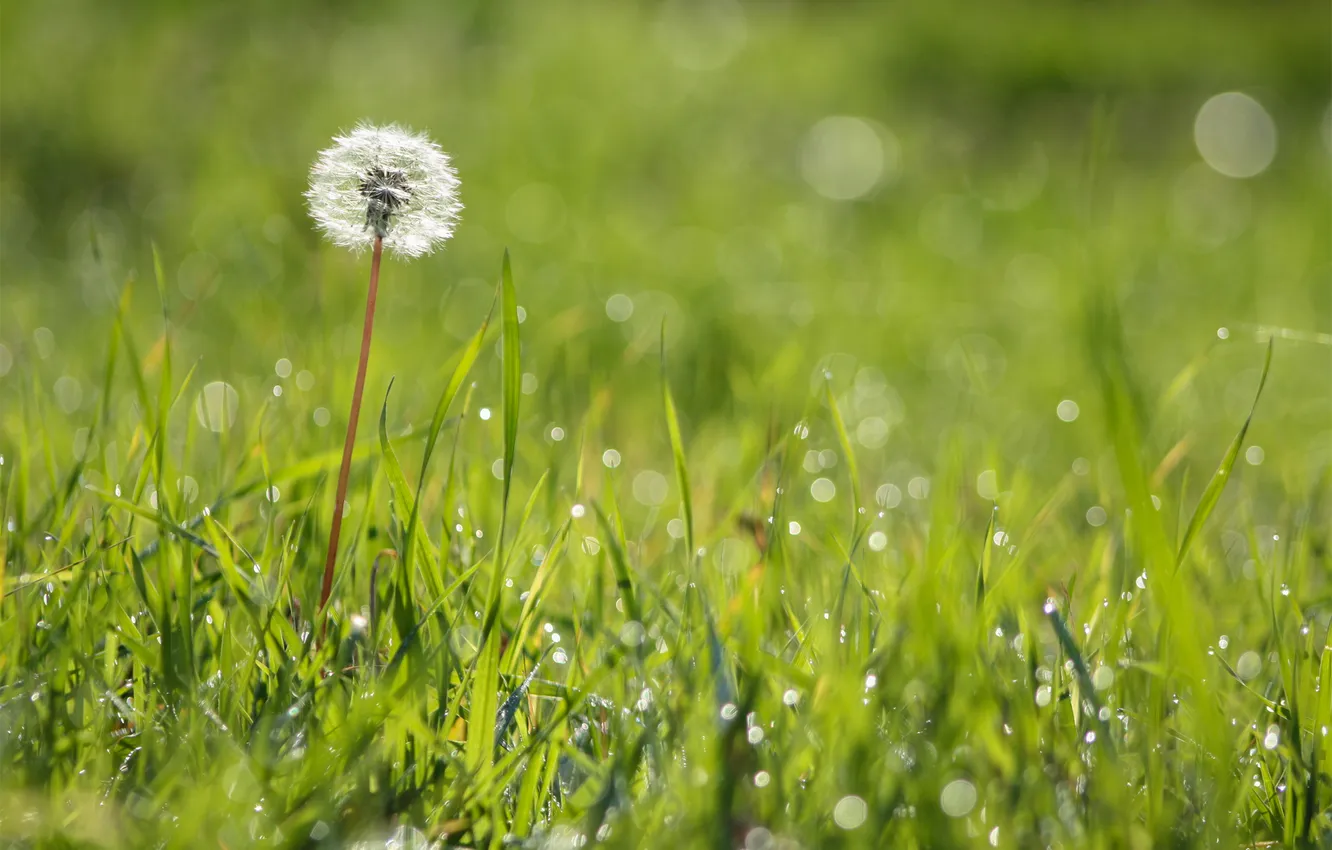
column 385, row 182
column 378, row 187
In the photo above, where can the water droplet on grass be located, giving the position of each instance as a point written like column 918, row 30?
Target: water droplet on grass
column 958, row 798
column 1249, row 665
column 619, row 307
column 888, row 496
column 216, row 406
column 1235, row 135
column 1272, row 738
column 850, row 812
column 632, row 633
column 918, row 488
column 823, row 489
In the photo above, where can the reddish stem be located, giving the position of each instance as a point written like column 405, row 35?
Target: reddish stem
column 336, row 531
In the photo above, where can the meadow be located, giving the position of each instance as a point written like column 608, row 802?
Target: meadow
column 831, row 425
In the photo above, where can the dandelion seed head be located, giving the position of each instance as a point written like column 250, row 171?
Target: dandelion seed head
column 385, row 181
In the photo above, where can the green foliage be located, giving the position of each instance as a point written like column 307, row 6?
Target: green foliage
column 833, row 574
column 178, row 676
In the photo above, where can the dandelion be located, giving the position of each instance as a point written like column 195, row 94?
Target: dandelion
column 384, row 184
column 377, row 188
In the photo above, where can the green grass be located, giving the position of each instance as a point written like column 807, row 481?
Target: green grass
column 988, row 509
column 1003, row 671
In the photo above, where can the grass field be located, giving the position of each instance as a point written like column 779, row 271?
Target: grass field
column 898, row 428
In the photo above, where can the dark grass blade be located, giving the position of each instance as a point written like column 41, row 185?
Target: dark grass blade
column 987, row 557
column 1088, row 690
column 507, row 711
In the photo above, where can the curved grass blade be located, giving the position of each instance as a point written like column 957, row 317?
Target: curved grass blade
column 504, row 718
column 622, row 578
column 852, row 471
column 1088, row 690
column 512, row 374
column 397, row 480
column 410, row 636
column 987, row 558
column 677, row 451
column 543, row 574
column 151, row 516
column 460, row 373
column 403, row 598
column 1212, row 494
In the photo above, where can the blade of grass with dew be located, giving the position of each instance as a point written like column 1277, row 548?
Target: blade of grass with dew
column 1212, row 494
column 623, row 581
column 1085, row 685
column 479, row 754
column 101, row 416
column 402, row 592
column 401, row 490
column 432, row 610
column 1172, row 611
column 525, row 618
column 460, row 372
column 151, row 516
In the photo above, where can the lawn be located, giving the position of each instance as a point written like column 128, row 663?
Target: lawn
column 829, row 425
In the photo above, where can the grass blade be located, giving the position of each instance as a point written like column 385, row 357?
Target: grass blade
column 853, row 473
column 1217, row 485
column 623, row 581
column 479, row 754
column 460, row 373
column 677, row 452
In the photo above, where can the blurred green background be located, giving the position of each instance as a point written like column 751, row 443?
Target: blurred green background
column 916, row 197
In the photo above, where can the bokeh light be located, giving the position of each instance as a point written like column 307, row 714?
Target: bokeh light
column 1235, row 135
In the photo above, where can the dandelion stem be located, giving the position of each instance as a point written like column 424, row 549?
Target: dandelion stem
column 336, row 530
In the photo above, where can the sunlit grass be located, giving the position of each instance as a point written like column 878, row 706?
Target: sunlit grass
column 528, row 650
column 852, row 451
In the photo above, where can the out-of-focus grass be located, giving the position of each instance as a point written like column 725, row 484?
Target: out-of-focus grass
column 941, row 445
